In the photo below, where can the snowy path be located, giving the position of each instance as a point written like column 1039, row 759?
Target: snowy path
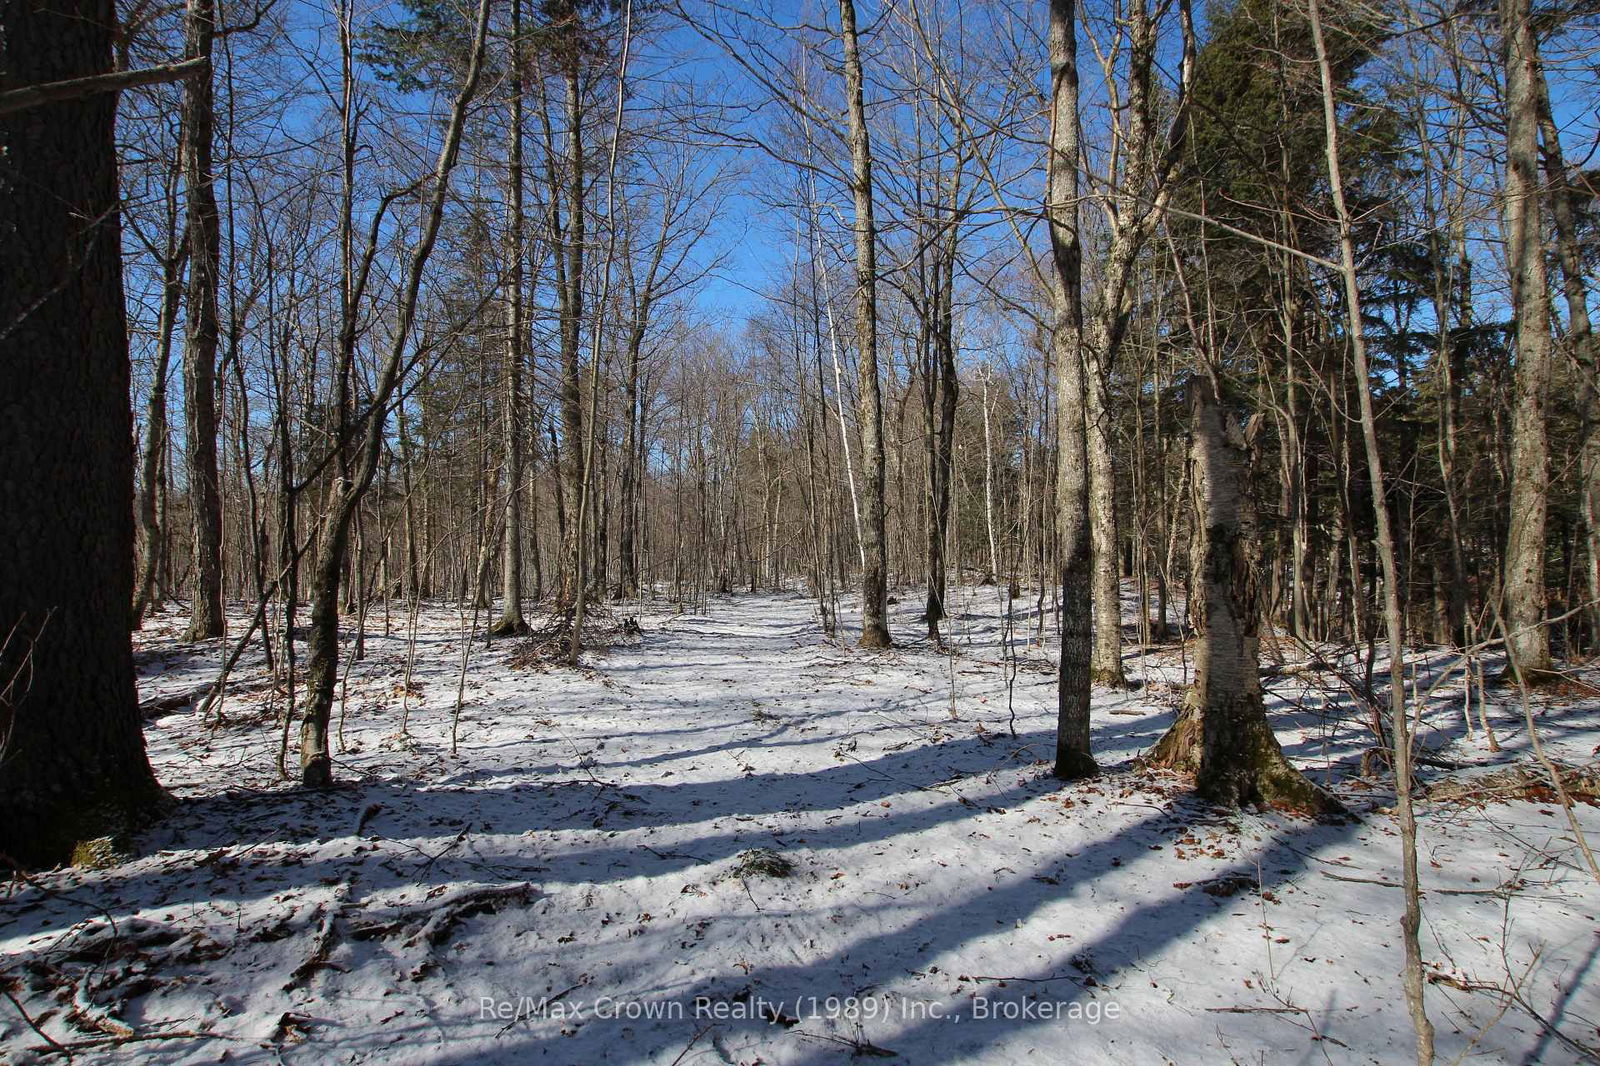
column 949, row 902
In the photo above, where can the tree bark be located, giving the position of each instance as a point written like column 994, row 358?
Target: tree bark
column 1564, row 199
column 72, row 760
column 942, row 447
column 200, row 342
column 511, row 619
column 570, row 295
column 875, row 563
column 1142, row 191
column 1527, row 638
column 1411, row 919
column 1222, row 735
column 1073, row 759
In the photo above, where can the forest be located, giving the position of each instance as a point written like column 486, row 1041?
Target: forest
column 790, row 531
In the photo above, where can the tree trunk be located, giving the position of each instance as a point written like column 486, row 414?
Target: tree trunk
column 1564, row 199
column 72, row 761
column 1106, row 584
column 570, row 294
column 875, row 563
column 627, row 545
column 200, row 343
column 1527, row 639
column 942, row 447
column 1222, row 734
column 322, row 647
column 511, row 620
column 1143, row 189
column 1073, row 759
column 1411, row 920
column 152, row 480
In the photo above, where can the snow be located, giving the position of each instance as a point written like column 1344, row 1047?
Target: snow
column 566, row 886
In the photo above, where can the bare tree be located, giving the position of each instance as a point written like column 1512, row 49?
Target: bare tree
column 875, row 564
column 512, row 425
column 1073, row 758
column 200, row 341
column 1528, row 639
column 1133, row 201
column 333, row 534
column 1394, row 624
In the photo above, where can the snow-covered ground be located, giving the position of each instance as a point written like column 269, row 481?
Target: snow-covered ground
column 575, row 883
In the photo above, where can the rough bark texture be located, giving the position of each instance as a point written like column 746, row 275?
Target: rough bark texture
column 875, row 543
column 1073, row 759
column 1528, row 638
column 72, row 760
column 200, row 343
column 1222, row 734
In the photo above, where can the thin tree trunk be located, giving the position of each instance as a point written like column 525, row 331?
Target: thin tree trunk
column 1410, row 923
column 874, row 571
column 200, row 343
column 1073, row 759
column 570, row 293
column 1564, row 199
column 1527, row 637
column 511, row 619
column 152, row 478
column 322, row 648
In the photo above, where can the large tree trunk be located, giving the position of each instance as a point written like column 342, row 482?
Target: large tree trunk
column 875, row 562
column 200, row 343
column 72, row 760
column 1073, row 759
column 1222, row 734
column 1528, row 639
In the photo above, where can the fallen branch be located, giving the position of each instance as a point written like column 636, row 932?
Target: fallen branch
column 436, row 919
column 327, row 933
column 91, row 1015
column 53, row 1048
column 50, row 1041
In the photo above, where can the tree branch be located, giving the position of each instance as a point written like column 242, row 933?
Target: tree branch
column 56, row 92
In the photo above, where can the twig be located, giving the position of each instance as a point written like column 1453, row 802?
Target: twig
column 48, row 1039
column 692, row 1042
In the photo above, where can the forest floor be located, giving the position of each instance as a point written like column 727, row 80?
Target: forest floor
column 731, row 840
